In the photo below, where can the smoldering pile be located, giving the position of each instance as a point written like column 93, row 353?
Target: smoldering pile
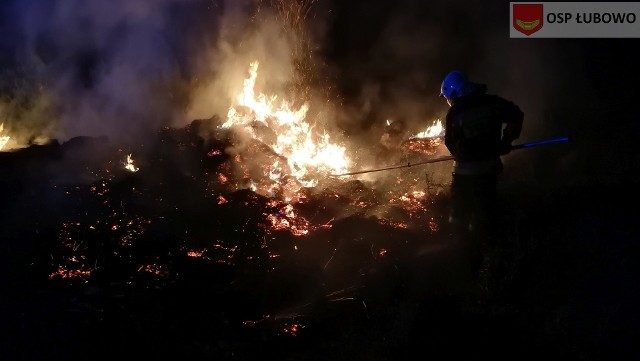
column 183, row 205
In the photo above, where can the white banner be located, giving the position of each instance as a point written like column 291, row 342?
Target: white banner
column 574, row 20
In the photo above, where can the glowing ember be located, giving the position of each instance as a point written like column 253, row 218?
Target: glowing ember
column 412, row 203
column 154, row 269
column 433, row 226
column 4, row 139
column 128, row 165
column 65, row 273
column 307, row 154
column 222, row 200
column 195, row 254
column 434, row 131
column 293, row 329
column 222, row 179
column 287, row 219
column 393, row 223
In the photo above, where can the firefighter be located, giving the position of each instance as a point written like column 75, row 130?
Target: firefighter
column 479, row 128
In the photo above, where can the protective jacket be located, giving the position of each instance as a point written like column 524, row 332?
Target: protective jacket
column 479, row 129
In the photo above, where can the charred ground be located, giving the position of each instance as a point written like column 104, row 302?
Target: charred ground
column 177, row 273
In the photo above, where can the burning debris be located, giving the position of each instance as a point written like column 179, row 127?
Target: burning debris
column 197, row 202
column 253, row 194
column 128, row 165
column 434, row 131
column 247, row 194
column 230, row 229
column 4, row 139
column 426, row 142
column 299, row 155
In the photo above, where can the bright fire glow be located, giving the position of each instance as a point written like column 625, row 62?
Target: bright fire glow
column 128, row 165
column 433, row 131
column 308, row 154
column 287, row 219
column 4, row 139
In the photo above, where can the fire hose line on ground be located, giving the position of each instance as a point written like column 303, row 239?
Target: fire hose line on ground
column 450, row 157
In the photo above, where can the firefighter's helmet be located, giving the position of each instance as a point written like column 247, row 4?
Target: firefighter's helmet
column 454, row 86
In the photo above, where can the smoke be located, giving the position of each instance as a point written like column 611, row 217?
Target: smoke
column 276, row 35
column 122, row 67
column 244, row 39
column 389, row 59
column 92, row 68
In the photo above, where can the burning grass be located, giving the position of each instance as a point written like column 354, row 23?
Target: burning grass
column 245, row 199
column 248, row 203
column 227, row 231
column 4, row 139
column 237, row 241
column 195, row 201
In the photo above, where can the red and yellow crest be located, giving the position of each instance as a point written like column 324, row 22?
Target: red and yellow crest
column 527, row 18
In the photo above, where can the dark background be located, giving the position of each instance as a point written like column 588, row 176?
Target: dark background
column 583, row 88
column 569, row 220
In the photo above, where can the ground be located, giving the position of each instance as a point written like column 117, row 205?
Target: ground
column 561, row 280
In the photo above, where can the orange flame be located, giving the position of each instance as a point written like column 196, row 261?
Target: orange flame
column 128, row 165
column 4, row 139
column 434, row 131
column 307, row 153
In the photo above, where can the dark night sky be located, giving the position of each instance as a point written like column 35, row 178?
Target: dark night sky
column 391, row 55
column 585, row 88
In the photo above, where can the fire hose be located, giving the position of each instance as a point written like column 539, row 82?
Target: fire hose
column 450, row 157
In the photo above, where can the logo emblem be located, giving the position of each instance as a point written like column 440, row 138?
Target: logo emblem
column 527, row 18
